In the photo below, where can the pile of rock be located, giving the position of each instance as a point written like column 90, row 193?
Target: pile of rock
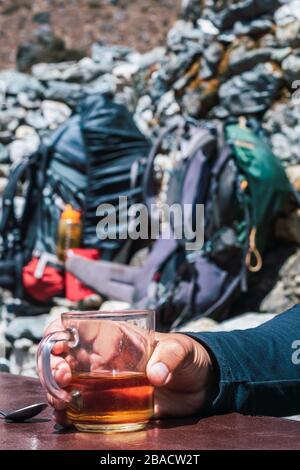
column 223, row 59
column 231, row 58
column 33, row 105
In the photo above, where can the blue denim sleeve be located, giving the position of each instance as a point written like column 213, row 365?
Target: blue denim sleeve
column 259, row 368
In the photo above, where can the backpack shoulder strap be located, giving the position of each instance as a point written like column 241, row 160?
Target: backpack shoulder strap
column 46, row 148
column 148, row 182
column 8, row 210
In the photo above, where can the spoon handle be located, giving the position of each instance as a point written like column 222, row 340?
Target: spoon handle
column 2, row 413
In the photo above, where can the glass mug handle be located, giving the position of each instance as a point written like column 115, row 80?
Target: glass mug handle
column 69, row 336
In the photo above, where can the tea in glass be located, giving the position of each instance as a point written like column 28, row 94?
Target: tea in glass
column 107, row 354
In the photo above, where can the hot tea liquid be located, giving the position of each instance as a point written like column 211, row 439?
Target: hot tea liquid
column 107, row 399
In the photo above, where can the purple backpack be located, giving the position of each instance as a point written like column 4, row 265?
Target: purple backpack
column 185, row 284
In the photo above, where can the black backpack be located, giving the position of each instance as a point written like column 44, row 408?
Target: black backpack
column 96, row 155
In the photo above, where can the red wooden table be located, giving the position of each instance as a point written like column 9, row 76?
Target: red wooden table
column 232, row 431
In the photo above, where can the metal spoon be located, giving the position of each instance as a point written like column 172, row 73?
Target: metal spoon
column 25, row 413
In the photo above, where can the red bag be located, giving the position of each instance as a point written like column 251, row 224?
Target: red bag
column 43, row 278
column 75, row 289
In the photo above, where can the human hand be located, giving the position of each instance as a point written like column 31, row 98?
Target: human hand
column 183, row 374
column 180, row 369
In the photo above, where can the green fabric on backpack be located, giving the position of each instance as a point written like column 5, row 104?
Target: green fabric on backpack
column 269, row 187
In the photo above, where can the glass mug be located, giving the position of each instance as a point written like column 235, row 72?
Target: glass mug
column 107, row 353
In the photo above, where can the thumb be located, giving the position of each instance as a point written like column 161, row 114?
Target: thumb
column 169, row 354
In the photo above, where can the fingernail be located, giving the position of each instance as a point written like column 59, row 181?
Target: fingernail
column 161, row 371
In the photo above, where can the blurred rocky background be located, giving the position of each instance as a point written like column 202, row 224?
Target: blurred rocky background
column 54, row 30
column 220, row 59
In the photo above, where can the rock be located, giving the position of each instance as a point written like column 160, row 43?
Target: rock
column 278, row 55
column 212, row 56
column 92, row 302
column 290, row 11
column 46, row 72
column 55, row 113
column 208, row 29
column 29, row 368
column 4, row 365
column 144, row 61
column 25, row 131
column 126, row 96
column 167, row 105
column 288, row 228
column 69, row 93
column 289, row 34
column 241, row 52
column 182, row 66
column 191, row 9
column 28, row 54
column 44, row 46
column 19, row 205
column 15, row 112
column 144, row 115
column 23, row 358
column 10, row 101
column 242, row 10
column 28, row 100
column 293, row 173
column 42, row 17
column 108, row 56
column 4, row 170
column 286, row 292
column 241, row 322
column 180, row 33
column 197, row 102
column 83, row 71
column 282, row 124
column 251, row 92
column 125, row 72
column 287, row 19
column 252, row 28
column 276, row 301
column 36, row 120
column 22, row 344
column 29, row 328
column 102, row 85
column 25, row 146
column 241, row 60
column 113, row 305
column 281, row 147
column 9, row 119
column 4, row 156
column 6, row 137
column 291, row 67
column 245, row 321
column 203, row 324
column 54, row 314
column 14, row 82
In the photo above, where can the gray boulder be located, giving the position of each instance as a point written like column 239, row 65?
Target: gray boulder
column 251, row 92
column 14, row 82
column 31, row 328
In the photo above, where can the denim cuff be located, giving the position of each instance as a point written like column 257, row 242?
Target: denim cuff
column 224, row 400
